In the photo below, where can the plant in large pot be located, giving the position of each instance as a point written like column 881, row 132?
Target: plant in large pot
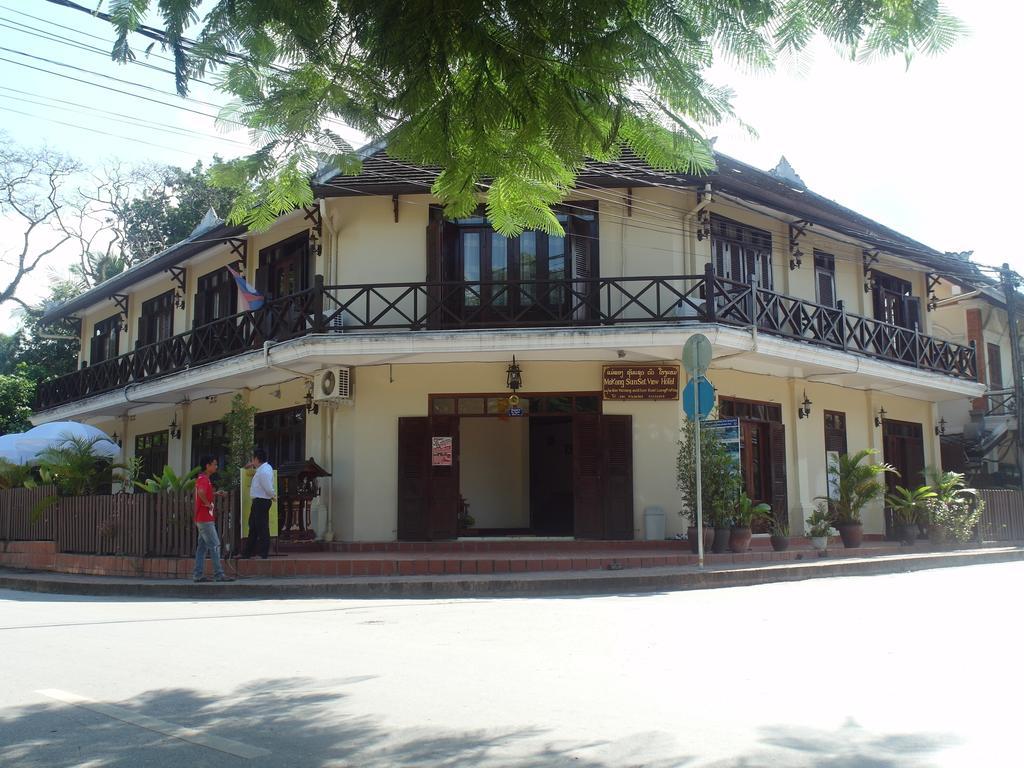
column 720, row 486
column 909, row 508
column 780, row 534
column 743, row 516
column 819, row 527
column 954, row 511
column 856, row 484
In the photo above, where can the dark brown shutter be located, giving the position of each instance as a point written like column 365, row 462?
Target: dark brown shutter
column 586, row 469
column 911, row 312
column 198, row 310
column 262, row 277
column 583, row 244
column 444, row 483
column 617, row 476
column 780, row 502
column 413, row 478
column 435, row 249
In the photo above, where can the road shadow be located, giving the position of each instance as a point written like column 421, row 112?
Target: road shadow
column 300, row 723
column 848, row 746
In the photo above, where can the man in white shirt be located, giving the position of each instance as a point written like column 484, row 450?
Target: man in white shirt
column 263, row 494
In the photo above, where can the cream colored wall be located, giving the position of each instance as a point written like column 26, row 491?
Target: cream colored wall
column 805, row 438
column 494, row 471
column 366, row 438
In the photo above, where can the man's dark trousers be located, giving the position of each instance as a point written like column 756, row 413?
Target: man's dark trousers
column 259, row 529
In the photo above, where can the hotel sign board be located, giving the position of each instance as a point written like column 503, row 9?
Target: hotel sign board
column 640, row 382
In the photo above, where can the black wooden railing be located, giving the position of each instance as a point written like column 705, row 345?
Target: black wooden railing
column 1001, row 402
column 517, row 304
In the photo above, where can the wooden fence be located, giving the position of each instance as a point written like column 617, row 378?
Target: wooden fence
column 135, row 524
column 17, row 521
column 1003, row 518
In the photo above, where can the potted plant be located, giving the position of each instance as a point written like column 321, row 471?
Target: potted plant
column 780, row 534
column 743, row 516
column 819, row 527
column 857, row 484
column 908, row 508
column 720, row 485
column 954, row 511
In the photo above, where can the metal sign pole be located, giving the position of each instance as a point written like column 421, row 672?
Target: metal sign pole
column 696, row 450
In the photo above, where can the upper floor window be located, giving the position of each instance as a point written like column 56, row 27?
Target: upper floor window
column 522, row 276
column 216, row 297
column 105, row 337
column 825, row 278
column 741, row 252
column 894, row 302
column 156, row 322
column 285, row 267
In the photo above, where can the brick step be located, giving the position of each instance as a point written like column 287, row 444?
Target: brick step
column 28, row 547
column 495, row 545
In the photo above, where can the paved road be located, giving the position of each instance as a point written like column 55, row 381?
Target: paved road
column 906, row 670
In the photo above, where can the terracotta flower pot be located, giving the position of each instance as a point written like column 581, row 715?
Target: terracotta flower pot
column 709, row 537
column 852, row 534
column 739, row 539
column 780, row 543
column 720, row 544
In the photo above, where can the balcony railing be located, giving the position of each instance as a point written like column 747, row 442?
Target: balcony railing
column 1001, row 402
column 604, row 301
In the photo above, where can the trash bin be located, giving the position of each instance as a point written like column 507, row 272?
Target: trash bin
column 654, row 524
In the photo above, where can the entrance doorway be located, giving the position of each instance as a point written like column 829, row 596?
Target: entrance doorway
column 561, row 468
column 903, row 448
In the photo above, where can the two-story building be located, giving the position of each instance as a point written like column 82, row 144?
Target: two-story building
column 390, row 337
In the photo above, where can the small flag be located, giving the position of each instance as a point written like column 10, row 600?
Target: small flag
column 253, row 299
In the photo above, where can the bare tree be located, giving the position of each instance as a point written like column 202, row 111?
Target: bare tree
column 31, row 195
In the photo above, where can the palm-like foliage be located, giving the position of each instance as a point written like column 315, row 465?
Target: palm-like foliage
column 170, row 482
column 857, row 484
column 910, row 505
column 13, row 475
column 74, row 466
column 746, row 511
column 511, row 91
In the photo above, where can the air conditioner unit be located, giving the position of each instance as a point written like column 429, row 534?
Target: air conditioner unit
column 333, row 384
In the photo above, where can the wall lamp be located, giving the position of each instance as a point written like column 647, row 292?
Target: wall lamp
column 116, row 439
column 173, row 430
column 805, row 407
column 311, row 407
column 940, row 428
column 514, row 376
column 879, row 416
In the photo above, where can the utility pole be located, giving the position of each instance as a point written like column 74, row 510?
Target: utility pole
column 1009, row 281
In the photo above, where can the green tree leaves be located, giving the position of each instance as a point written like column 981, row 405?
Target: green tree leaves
column 507, row 97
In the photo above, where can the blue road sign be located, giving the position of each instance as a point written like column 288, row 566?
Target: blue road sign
column 705, row 398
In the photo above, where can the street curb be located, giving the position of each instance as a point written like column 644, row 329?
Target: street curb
column 517, row 585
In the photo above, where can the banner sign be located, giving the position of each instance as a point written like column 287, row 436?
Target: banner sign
column 640, row 382
column 441, row 449
column 728, row 433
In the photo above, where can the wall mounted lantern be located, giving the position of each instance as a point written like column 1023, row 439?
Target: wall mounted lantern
column 173, row 430
column 940, row 428
column 514, row 376
column 311, row 407
column 116, row 439
column 805, row 407
column 879, row 416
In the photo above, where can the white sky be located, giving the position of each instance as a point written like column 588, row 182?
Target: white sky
column 932, row 151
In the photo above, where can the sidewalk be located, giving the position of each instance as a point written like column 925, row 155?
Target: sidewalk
column 524, row 584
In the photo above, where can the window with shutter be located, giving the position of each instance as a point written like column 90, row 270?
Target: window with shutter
column 151, row 448
column 742, row 252
column 216, row 297
column 106, row 336
column 156, row 321
column 825, row 278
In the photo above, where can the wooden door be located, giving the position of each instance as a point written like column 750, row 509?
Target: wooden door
column 779, row 500
column 445, row 497
column 587, row 458
column 413, row 478
column 617, row 476
column 903, row 448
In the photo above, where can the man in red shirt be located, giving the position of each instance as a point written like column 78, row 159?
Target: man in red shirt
column 208, row 539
